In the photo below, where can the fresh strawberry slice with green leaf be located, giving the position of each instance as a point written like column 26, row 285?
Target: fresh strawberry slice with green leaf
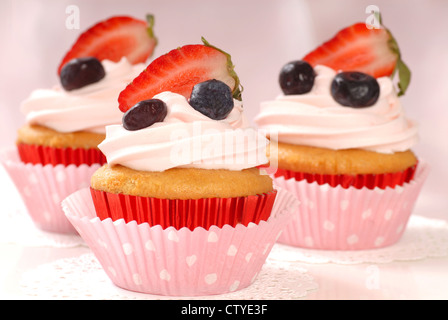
column 114, row 38
column 358, row 48
column 179, row 71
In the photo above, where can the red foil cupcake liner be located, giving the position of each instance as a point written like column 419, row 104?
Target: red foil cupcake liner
column 191, row 213
column 370, row 181
column 44, row 155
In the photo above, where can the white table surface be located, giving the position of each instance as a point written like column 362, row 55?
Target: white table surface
column 420, row 278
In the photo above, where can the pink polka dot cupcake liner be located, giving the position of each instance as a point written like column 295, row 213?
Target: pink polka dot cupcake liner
column 338, row 218
column 178, row 262
column 43, row 187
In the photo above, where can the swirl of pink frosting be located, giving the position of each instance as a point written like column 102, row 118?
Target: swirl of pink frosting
column 316, row 119
column 187, row 139
column 90, row 108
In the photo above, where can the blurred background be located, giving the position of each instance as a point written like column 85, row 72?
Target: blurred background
column 261, row 36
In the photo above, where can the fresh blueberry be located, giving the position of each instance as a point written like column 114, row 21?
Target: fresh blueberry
column 212, row 98
column 144, row 114
column 355, row 89
column 80, row 72
column 297, row 77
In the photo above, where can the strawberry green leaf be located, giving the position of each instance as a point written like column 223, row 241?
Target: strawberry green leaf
column 150, row 24
column 404, row 73
column 238, row 89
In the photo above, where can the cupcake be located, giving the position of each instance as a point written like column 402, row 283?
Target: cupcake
column 181, row 189
column 57, row 148
column 342, row 143
column 65, row 124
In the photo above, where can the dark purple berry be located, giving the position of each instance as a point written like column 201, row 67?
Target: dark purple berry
column 355, row 89
column 212, row 98
column 297, row 77
column 78, row 73
column 144, row 114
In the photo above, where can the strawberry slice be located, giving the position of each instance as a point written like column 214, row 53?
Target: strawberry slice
column 115, row 38
column 357, row 48
column 179, row 71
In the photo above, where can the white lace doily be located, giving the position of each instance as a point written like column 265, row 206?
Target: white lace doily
column 84, row 278
column 423, row 238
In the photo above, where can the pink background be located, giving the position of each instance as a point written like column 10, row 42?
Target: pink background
column 261, row 35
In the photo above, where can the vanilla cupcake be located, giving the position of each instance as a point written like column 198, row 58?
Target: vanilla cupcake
column 343, row 144
column 182, row 177
column 187, row 159
column 57, row 147
column 65, row 124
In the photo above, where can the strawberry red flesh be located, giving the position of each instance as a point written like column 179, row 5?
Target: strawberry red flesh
column 179, row 71
column 113, row 39
column 357, row 48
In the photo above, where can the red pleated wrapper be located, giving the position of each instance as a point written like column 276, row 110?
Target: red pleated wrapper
column 44, row 155
column 184, row 213
column 359, row 181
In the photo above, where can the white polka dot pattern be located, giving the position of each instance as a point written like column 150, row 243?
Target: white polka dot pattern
column 178, row 262
column 335, row 218
column 42, row 189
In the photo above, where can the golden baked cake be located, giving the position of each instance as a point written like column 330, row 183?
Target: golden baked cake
column 310, row 159
column 40, row 135
column 182, row 183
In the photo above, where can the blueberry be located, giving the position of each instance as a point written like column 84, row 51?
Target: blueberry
column 144, row 114
column 297, row 77
column 355, row 89
column 78, row 73
column 212, row 98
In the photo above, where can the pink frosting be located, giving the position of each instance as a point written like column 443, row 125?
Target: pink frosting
column 316, row 119
column 90, row 108
column 187, row 138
